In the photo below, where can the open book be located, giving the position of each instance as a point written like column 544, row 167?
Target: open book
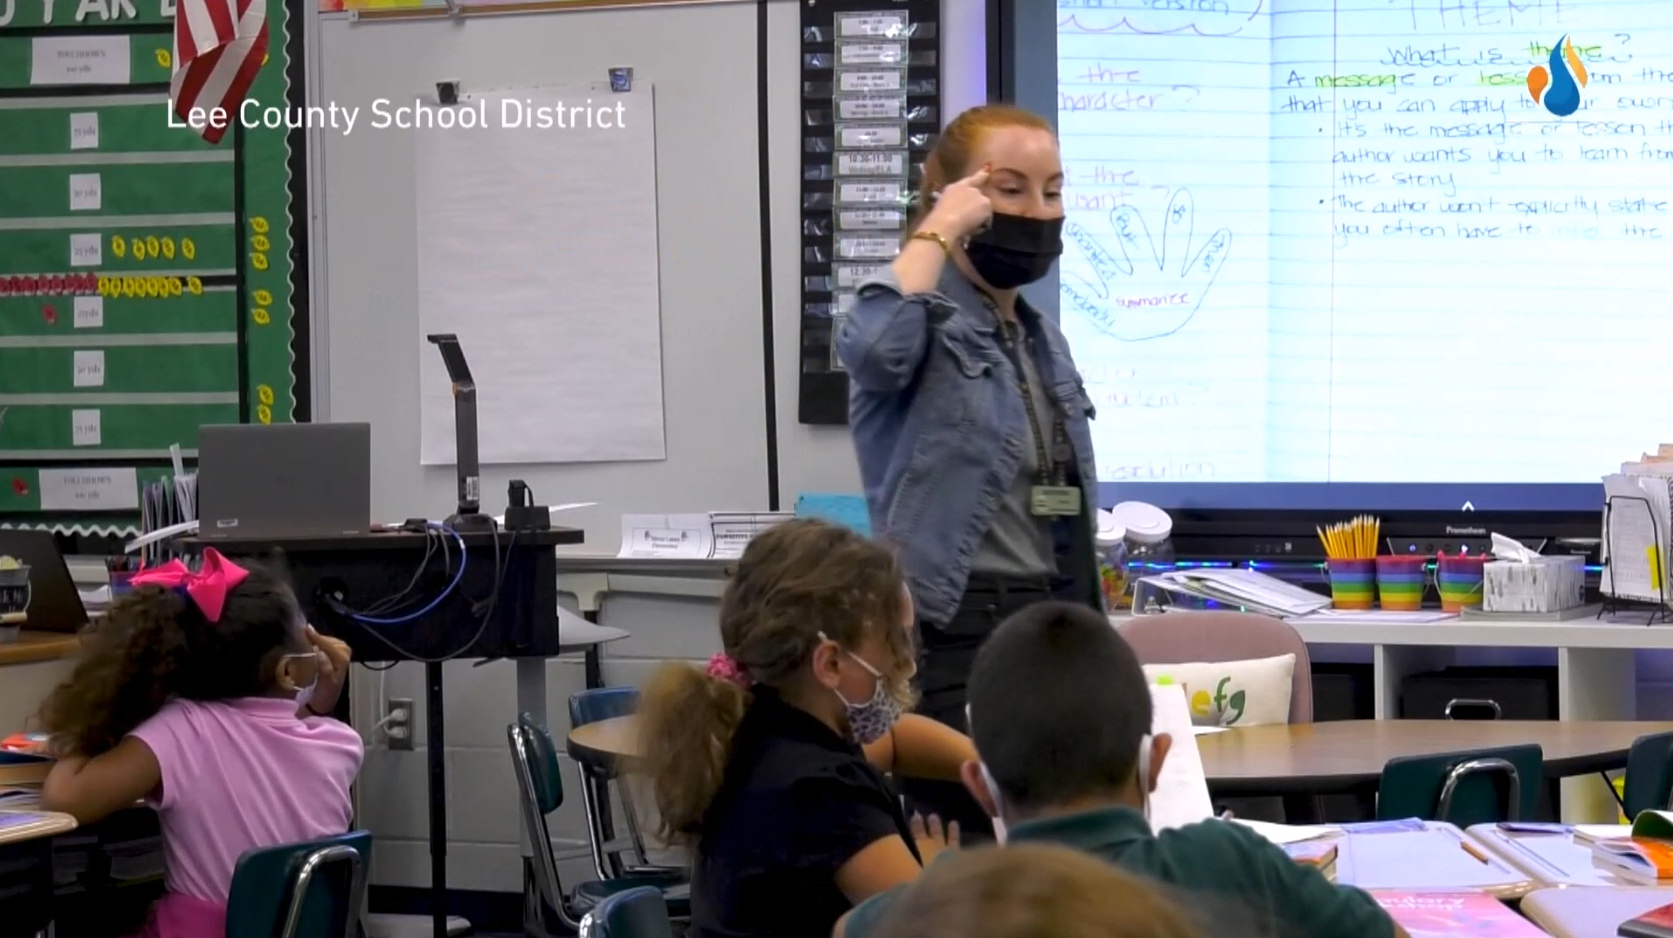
column 1344, row 242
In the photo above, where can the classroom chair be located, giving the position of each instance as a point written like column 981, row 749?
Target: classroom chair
column 639, row 912
column 1181, row 637
column 306, row 890
column 1485, row 786
column 1649, row 775
column 540, row 791
column 597, row 775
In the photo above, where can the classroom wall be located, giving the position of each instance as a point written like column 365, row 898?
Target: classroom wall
column 483, row 849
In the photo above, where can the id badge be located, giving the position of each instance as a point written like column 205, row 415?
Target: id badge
column 1055, row 501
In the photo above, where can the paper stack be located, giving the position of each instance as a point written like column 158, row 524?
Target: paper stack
column 715, row 535
column 1638, row 529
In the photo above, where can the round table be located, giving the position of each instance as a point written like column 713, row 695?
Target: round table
column 1308, row 758
column 1349, row 755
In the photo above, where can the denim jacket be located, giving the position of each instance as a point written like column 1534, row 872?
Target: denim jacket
column 939, row 427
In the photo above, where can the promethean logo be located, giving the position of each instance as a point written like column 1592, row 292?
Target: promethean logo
column 1556, row 86
column 1466, row 532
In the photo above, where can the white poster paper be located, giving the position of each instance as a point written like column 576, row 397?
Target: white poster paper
column 86, row 192
column 84, row 428
column 79, row 60
column 1181, row 795
column 90, row 312
column 85, row 250
column 89, row 489
column 84, row 131
column 537, row 246
column 89, row 368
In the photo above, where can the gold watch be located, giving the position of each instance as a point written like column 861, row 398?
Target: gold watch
column 946, row 247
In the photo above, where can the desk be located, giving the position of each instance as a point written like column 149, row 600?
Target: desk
column 1321, row 757
column 1549, row 859
column 14, row 828
column 1590, row 911
column 26, row 871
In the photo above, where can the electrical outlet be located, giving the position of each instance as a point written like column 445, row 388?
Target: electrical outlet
column 397, row 725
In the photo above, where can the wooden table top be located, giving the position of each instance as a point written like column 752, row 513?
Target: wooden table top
column 35, row 645
column 18, row 826
column 1325, row 756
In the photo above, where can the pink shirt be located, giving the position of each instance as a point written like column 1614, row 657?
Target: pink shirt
column 241, row 774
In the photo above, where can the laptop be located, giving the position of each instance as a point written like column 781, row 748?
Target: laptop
column 284, row 480
column 54, row 603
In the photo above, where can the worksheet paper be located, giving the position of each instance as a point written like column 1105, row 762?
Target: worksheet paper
column 1181, row 795
column 1342, row 242
column 537, row 246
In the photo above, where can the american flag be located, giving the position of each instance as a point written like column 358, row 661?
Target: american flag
column 218, row 47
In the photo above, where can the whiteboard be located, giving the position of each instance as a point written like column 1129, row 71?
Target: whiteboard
column 1345, row 242
column 701, row 60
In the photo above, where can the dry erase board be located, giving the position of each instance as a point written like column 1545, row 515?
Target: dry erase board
column 147, row 277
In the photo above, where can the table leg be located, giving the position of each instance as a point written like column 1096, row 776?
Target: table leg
column 594, row 667
column 435, row 741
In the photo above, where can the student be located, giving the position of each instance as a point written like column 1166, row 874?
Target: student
column 205, row 694
column 1032, row 891
column 1061, row 715
column 770, row 764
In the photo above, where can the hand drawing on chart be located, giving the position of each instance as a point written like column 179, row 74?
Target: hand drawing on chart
column 1144, row 290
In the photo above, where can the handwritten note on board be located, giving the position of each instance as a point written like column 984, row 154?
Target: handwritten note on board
column 84, row 131
column 86, row 192
column 89, row 312
column 85, row 429
column 89, row 489
column 89, row 368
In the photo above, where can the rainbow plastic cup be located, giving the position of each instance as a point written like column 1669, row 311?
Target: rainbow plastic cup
column 1353, row 583
column 1459, row 580
column 1401, row 581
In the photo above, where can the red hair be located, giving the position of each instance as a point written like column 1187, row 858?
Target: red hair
column 950, row 160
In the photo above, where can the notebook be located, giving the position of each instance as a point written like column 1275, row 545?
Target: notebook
column 1646, row 856
column 1656, row 923
column 1318, row 854
column 1454, row 915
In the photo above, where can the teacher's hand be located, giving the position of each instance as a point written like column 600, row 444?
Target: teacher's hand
column 961, row 208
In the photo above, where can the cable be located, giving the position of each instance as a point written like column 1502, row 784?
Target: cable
column 457, row 577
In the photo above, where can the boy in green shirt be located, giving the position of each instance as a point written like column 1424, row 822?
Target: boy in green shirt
column 1060, row 713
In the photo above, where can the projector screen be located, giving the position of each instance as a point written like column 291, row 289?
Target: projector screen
column 1340, row 255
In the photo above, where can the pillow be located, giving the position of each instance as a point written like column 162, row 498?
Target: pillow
column 1255, row 692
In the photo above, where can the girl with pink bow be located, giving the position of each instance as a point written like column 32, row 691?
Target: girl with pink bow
column 206, row 694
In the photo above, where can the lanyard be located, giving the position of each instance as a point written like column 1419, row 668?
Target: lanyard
column 1053, row 466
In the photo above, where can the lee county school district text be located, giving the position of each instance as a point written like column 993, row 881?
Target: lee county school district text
column 509, row 114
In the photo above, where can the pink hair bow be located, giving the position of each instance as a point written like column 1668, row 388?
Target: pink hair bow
column 723, row 668
column 207, row 587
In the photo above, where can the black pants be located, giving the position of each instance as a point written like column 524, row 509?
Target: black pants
column 946, row 653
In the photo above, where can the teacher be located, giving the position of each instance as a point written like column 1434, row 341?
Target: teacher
column 969, row 419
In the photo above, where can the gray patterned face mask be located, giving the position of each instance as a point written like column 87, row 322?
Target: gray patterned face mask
column 870, row 721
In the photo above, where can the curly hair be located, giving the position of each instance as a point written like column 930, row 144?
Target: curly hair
column 154, row 645
column 796, row 580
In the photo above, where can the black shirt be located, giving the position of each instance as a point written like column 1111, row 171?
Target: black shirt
column 798, row 802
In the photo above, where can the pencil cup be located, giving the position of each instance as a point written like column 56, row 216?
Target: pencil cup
column 1459, row 580
column 1352, row 583
column 14, row 601
column 1400, row 582
column 121, row 582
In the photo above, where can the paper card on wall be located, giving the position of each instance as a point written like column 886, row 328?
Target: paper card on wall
column 90, row 312
column 89, row 489
column 84, row 428
column 86, row 192
column 79, row 60
column 1181, row 795
column 86, row 250
column 84, row 131
column 89, row 367
column 669, row 537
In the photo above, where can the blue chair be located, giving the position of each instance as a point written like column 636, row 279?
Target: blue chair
column 591, row 706
column 540, row 791
column 306, row 890
column 1649, row 775
column 637, row 913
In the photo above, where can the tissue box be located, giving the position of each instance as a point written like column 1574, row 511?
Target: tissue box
column 1543, row 584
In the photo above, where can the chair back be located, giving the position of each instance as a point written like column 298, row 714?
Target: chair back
column 305, row 890
column 1184, row 637
column 1485, row 786
column 534, row 761
column 602, row 703
column 1649, row 776
column 640, row 912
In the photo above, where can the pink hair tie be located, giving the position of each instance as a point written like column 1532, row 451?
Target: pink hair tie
column 207, row 587
column 723, row 668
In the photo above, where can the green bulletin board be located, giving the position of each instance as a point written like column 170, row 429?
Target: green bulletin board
column 146, row 281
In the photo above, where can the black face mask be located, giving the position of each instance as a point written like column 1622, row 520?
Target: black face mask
column 1015, row 250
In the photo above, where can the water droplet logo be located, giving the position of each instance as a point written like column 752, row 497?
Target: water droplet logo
column 1557, row 87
